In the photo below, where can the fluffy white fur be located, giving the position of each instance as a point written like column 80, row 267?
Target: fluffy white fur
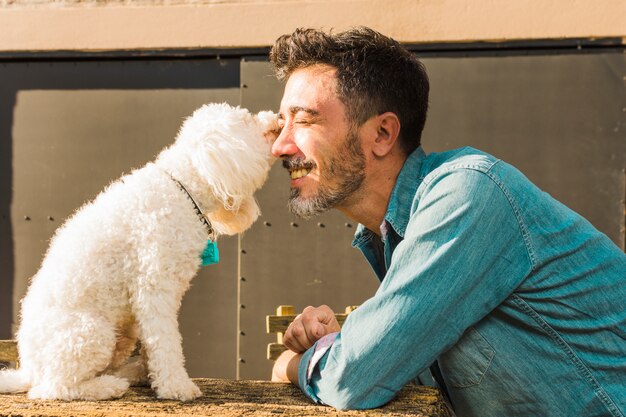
column 116, row 271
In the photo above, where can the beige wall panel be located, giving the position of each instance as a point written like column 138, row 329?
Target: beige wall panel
column 73, row 26
column 560, row 119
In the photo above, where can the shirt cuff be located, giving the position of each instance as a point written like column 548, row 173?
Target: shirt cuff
column 309, row 361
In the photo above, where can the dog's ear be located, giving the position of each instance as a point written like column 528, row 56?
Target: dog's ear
column 218, row 167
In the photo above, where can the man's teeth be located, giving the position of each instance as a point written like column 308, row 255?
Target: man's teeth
column 299, row 173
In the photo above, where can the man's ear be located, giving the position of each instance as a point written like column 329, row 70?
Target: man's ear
column 387, row 131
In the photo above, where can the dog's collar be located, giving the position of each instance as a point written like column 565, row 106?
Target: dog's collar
column 205, row 220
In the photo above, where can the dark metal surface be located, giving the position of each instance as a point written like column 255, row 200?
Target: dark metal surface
column 524, row 46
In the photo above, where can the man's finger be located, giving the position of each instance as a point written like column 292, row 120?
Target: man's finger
column 309, row 326
column 321, row 315
column 295, row 337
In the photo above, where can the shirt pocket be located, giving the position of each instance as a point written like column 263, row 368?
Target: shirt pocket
column 465, row 364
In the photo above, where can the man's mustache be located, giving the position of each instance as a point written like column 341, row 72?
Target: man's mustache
column 298, row 163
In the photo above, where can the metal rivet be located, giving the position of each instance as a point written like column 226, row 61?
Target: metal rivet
column 294, row 224
column 244, row 86
column 268, row 224
column 242, row 360
column 348, row 225
column 321, row 225
column 26, row 218
column 242, row 306
column 242, row 278
column 51, row 218
column 242, row 333
column 243, row 251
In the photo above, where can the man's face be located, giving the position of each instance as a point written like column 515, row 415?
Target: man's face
column 317, row 143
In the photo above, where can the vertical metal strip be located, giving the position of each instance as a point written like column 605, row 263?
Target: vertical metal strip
column 239, row 248
column 238, row 278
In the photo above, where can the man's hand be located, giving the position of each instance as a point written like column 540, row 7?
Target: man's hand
column 310, row 326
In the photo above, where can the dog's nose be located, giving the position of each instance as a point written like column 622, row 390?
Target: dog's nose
column 269, row 123
column 270, row 136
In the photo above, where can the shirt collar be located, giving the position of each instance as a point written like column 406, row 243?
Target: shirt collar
column 401, row 199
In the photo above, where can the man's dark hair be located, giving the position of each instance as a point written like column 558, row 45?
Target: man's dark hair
column 375, row 74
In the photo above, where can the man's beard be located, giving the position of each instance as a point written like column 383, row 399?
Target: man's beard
column 345, row 168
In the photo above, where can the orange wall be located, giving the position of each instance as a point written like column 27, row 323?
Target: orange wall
column 39, row 25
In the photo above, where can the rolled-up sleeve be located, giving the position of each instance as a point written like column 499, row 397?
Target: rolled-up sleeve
column 462, row 254
column 309, row 362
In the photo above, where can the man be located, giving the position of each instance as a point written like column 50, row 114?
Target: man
column 513, row 303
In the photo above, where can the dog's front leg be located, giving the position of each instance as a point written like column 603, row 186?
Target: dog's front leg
column 156, row 312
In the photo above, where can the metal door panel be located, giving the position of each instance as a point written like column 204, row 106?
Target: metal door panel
column 560, row 119
column 289, row 260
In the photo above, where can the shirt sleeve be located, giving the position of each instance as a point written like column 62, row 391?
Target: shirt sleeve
column 309, row 361
column 463, row 253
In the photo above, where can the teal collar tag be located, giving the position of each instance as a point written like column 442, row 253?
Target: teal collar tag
column 210, row 254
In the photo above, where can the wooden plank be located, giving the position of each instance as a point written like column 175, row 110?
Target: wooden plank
column 283, row 310
column 8, row 351
column 226, row 398
column 278, row 324
column 274, row 350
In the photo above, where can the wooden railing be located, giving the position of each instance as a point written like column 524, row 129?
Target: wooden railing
column 8, row 351
column 278, row 324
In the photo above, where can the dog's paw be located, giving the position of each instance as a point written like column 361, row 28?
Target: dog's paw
column 104, row 387
column 184, row 390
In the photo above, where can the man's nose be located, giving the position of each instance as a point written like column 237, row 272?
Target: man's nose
column 284, row 144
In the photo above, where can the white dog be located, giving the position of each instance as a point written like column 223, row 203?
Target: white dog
column 116, row 271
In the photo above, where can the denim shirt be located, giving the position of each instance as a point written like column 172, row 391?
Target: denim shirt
column 519, row 300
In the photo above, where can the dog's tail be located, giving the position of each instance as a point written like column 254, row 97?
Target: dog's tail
column 14, row 380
